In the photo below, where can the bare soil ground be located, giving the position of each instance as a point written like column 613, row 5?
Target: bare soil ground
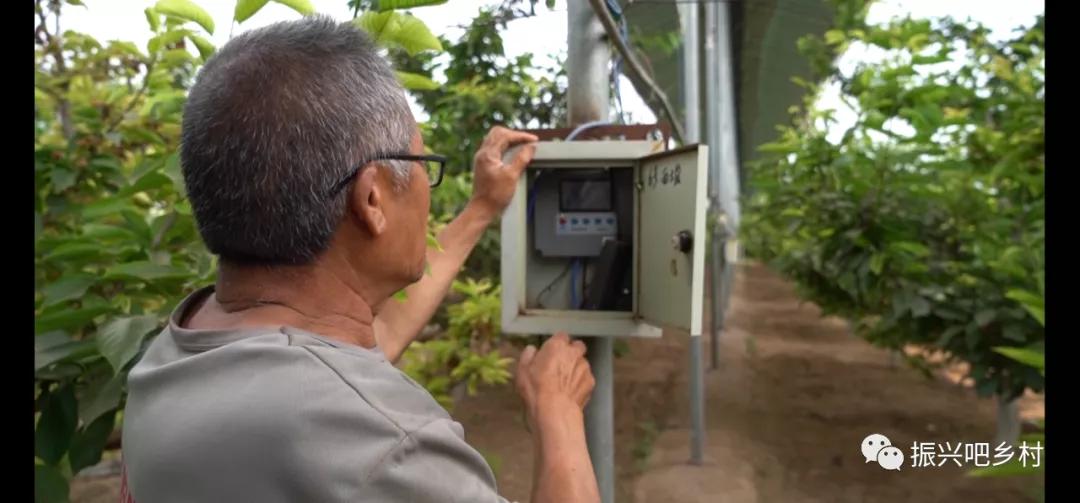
column 793, row 397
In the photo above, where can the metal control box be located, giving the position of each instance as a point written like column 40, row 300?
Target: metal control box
column 574, row 204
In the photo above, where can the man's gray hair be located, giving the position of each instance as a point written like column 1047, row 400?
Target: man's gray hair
column 278, row 116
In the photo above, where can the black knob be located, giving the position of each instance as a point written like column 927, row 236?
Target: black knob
column 683, row 241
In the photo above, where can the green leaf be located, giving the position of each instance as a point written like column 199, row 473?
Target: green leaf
column 56, row 425
column 102, row 232
column 62, row 179
column 149, row 181
column 88, row 443
column 931, row 114
column 186, row 10
column 929, row 60
column 416, row 82
column 136, row 221
column 550, row 4
column 102, row 207
column 146, row 271
column 984, row 317
column 877, row 263
column 833, row 37
column 304, row 7
column 379, row 25
column 132, row 50
column 69, row 252
column 948, row 334
column 68, row 319
column 68, row 287
column 415, row 36
column 385, row 5
column 50, row 486
column 918, row 41
column 1032, row 303
column 53, row 347
column 172, row 170
column 101, row 396
column 1013, row 333
column 153, row 19
column 915, row 249
column 141, row 134
column 206, row 49
column 392, row 28
column 401, row 296
column 971, row 336
column 1026, row 356
column 919, row 306
column 48, row 340
column 120, row 339
column 247, row 8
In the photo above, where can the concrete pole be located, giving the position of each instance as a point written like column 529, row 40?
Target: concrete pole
column 588, row 57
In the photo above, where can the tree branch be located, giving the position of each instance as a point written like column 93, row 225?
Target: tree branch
column 113, row 124
column 53, row 45
column 634, row 66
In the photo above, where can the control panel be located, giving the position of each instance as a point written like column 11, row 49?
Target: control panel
column 575, row 210
column 586, row 224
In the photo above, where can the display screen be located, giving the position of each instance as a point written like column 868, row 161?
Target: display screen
column 585, row 194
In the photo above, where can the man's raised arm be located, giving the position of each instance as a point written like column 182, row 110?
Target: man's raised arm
column 399, row 322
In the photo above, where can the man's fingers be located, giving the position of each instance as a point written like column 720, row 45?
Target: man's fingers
column 578, row 347
column 526, row 358
column 559, row 338
column 582, row 373
column 500, row 138
column 583, row 382
column 522, row 158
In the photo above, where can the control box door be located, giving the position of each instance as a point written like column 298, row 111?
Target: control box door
column 670, row 238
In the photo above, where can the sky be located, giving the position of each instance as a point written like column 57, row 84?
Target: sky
column 542, row 35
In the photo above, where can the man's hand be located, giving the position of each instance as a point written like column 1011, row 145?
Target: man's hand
column 494, row 182
column 556, row 379
column 556, row 383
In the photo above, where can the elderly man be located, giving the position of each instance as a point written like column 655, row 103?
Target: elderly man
column 307, row 176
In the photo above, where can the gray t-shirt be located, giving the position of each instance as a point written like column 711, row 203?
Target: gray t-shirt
column 284, row 415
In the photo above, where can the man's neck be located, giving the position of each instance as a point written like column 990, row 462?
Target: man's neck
column 319, row 298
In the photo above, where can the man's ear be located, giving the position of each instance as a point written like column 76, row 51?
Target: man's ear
column 368, row 202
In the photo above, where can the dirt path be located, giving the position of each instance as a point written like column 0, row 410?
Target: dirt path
column 792, row 400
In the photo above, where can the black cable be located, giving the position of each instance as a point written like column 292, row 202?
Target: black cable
column 584, row 273
column 556, row 280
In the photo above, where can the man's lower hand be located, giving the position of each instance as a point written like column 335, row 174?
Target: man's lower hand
column 555, row 380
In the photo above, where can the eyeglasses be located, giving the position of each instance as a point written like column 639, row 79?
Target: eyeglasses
column 433, row 166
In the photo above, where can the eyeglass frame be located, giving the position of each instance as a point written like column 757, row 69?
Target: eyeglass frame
column 441, row 159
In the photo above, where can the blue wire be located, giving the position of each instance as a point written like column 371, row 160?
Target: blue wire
column 532, row 201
